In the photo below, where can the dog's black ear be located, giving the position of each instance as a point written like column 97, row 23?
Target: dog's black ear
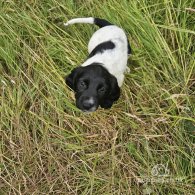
column 113, row 95
column 72, row 77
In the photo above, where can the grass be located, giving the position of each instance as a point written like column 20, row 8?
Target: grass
column 49, row 147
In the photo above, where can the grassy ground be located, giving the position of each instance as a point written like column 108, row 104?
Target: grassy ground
column 143, row 145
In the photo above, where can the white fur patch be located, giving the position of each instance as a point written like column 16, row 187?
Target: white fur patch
column 91, row 100
column 89, row 20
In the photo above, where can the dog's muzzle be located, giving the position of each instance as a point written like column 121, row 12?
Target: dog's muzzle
column 88, row 104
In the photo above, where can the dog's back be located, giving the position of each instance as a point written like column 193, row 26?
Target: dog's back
column 108, row 33
column 108, row 46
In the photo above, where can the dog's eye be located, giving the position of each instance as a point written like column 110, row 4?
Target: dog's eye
column 82, row 85
column 102, row 90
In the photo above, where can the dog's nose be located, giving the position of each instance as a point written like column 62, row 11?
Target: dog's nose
column 88, row 103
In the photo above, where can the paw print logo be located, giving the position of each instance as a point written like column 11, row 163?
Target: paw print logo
column 160, row 170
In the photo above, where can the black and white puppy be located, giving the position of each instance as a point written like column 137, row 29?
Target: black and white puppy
column 98, row 80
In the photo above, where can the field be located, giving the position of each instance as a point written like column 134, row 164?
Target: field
column 144, row 144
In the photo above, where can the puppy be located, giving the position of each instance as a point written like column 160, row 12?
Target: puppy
column 98, row 80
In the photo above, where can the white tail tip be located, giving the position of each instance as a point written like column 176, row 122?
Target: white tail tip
column 66, row 24
column 89, row 20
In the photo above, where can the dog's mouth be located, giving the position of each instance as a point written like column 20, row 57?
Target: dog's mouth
column 93, row 109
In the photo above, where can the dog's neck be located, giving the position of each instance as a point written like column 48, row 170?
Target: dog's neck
column 111, row 68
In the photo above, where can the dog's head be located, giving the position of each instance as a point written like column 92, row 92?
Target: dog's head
column 93, row 86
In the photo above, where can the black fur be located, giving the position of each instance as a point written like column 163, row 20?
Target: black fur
column 102, row 47
column 96, row 82
column 101, row 22
column 128, row 47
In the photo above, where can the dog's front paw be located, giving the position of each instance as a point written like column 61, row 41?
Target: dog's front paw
column 106, row 104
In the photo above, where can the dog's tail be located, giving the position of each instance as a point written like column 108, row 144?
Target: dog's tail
column 97, row 21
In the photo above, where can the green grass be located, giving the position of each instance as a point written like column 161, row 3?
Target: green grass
column 47, row 146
